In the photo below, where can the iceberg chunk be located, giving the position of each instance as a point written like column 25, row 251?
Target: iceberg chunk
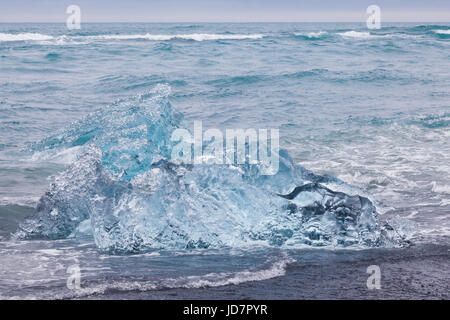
column 138, row 199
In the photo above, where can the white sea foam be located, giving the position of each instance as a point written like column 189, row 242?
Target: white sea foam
column 312, row 35
column 356, row 34
column 442, row 31
column 438, row 188
column 65, row 156
column 368, row 35
column 166, row 37
column 28, row 201
column 4, row 37
column 276, row 269
column 64, row 39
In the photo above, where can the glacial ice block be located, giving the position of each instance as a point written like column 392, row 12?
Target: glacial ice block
column 138, row 199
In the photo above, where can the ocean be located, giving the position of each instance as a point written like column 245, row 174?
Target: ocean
column 370, row 108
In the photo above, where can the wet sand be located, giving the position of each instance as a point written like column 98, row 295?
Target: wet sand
column 418, row 272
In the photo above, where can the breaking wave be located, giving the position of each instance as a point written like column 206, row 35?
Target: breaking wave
column 6, row 37
column 166, row 37
column 356, row 34
column 69, row 39
column 275, row 269
column 65, row 39
column 272, row 268
column 312, row 35
column 442, row 31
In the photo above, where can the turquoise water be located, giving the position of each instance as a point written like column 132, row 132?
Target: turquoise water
column 370, row 107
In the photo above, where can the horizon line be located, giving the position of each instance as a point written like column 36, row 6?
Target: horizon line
column 363, row 22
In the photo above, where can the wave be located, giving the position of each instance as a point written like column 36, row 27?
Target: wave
column 442, row 31
column 389, row 32
column 356, row 34
column 276, row 269
column 210, row 280
column 64, row 39
column 166, row 37
column 435, row 187
column 8, row 37
column 26, row 201
column 312, row 35
column 368, row 35
column 271, row 269
column 433, row 121
column 428, row 27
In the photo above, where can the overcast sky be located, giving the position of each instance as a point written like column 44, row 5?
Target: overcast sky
column 224, row 10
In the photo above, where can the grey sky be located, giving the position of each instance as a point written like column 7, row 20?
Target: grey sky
column 223, row 10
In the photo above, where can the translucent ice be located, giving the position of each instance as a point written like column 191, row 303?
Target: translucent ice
column 130, row 133
column 138, row 199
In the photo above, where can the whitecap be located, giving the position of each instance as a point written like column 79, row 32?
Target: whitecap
column 442, row 31
column 368, row 35
column 4, row 37
column 166, row 37
column 273, row 270
column 276, row 269
column 312, row 35
column 440, row 188
column 64, row 39
column 356, row 34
